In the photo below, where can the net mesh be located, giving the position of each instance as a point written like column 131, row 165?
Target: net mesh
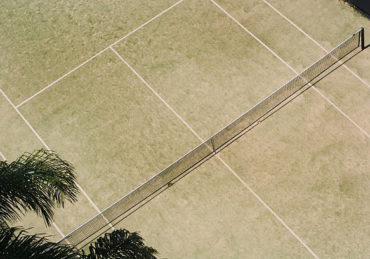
column 102, row 222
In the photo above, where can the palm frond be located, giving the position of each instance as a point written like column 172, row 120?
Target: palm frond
column 120, row 244
column 15, row 243
column 37, row 181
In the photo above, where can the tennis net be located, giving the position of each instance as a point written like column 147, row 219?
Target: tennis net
column 98, row 225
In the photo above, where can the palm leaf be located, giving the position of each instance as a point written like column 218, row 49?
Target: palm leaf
column 120, row 244
column 15, row 243
column 37, row 181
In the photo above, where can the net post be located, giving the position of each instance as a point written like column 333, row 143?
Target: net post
column 362, row 36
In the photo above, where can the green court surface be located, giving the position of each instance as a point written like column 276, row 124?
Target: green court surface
column 17, row 138
column 113, row 128
column 134, row 109
column 15, row 135
column 328, row 22
column 312, row 169
column 296, row 48
column 42, row 40
column 202, row 69
column 199, row 217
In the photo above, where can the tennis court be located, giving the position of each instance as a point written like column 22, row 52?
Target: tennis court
column 125, row 91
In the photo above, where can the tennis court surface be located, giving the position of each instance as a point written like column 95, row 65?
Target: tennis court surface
column 124, row 90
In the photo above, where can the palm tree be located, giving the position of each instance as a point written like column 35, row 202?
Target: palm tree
column 15, row 243
column 39, row 182
column 120, row 244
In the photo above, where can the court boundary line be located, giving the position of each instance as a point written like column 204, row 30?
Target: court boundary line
column 154, row 91
column 61, row 78
column 291, row 68
column 53, row 223
column 168, row 106
column 97, row 54
column 278, row 218
column 48, row 148
column 314, row 41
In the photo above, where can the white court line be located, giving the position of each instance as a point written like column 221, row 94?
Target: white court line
column 291, row 68
column 65, row 75
column 97, row 54
column 155, row 92
column 48, row 148
column 53, row 223
column 267, row 207
column 60, row 78
column 223, row 162
column 2, row 156
column 316, row 42
column 345, row 115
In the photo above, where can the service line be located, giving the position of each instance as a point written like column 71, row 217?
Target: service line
column 97, row 54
